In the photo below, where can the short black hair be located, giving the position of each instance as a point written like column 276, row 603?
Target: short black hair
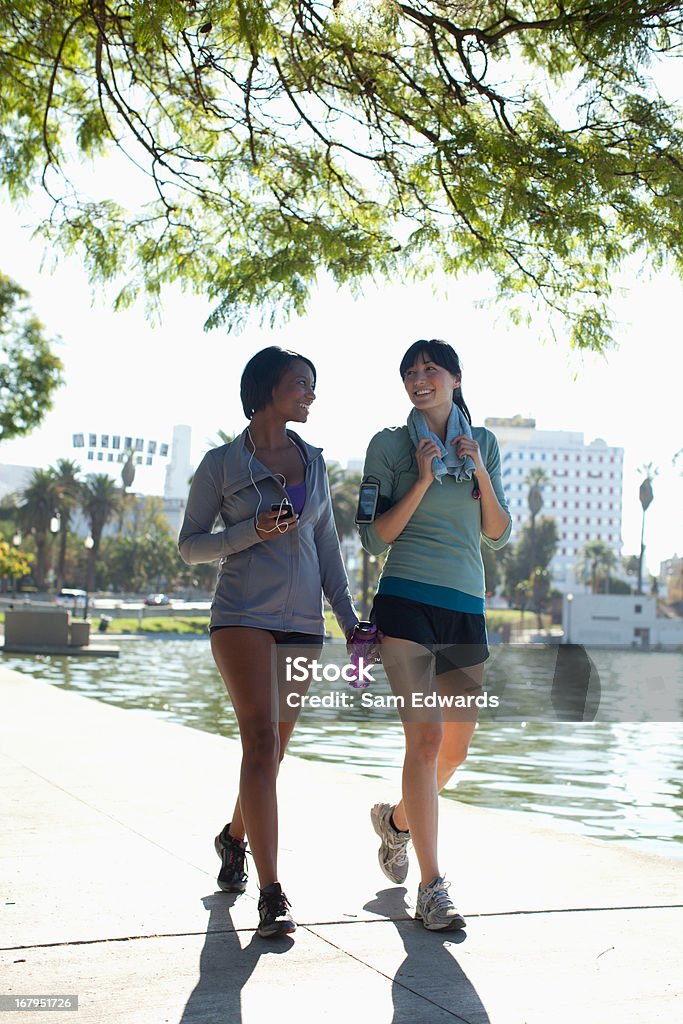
column 262, row 373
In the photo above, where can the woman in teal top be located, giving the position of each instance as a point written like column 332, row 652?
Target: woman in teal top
column 440, row 494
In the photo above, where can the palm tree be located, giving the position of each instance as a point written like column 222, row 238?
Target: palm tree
column 40, row 504
column 68, row 488
column 595, row 561
column 344, row 493
column 100, row 499
column 223, row 438
column 535, row 479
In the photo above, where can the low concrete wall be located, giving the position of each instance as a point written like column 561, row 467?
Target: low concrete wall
column 45, row 627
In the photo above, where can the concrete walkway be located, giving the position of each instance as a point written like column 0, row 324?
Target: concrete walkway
column 108, row 892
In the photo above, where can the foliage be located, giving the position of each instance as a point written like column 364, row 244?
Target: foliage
column 539, row 589
column 289, row 137
column 594, row 564
column 196, row 625
column 491, row 560
column 615, row 586
column 14, row 563
column 100, row 500
column 192, row 624
column 30, row 373
column 534, row 550
column 344, row 493
column 497, row 618
column 68, row 490
column 535, row 479
column 144, row 554
column 39, row 503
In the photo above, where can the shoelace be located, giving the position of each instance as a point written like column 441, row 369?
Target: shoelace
column 439, row 898
column 397, row 846
column 397, row 854
column 276, row 903
column 237, row 856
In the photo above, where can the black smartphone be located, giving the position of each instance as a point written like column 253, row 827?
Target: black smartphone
column 284, row 508
column 368, row 496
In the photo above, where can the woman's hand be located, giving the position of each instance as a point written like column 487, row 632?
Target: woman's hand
column 273, row 524
column 426, row 451
column 465, row 445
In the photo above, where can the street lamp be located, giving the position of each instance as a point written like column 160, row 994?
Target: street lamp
column 16, row 541
column 568, row 637
column 55, row 523
column 88, row 544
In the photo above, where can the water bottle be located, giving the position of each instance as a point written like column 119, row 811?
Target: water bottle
column 363, row 639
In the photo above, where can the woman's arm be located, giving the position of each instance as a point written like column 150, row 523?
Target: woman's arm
column 333, row 576
column 496, row 522
column 197, row 542
column 383, row 531
column 393, row 522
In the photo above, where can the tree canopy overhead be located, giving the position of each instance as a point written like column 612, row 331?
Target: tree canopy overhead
column 358, row 137
column 30, row 372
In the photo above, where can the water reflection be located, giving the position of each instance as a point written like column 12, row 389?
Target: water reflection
column 612, row 780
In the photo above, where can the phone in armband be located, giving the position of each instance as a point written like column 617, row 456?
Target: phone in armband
column 368, row 498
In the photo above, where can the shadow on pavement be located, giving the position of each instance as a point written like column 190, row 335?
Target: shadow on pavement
column 430, row 969
column 225, row 966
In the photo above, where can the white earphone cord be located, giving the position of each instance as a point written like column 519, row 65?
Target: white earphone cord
column 280, row 528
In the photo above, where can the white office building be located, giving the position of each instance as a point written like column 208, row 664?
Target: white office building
column 583, row 494
column 179, row 469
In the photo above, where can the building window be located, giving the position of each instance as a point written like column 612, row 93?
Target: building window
column 638, row 609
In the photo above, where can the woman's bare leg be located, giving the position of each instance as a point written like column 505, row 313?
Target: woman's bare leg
column 244, row 659
column 409, row 668
column 277, row 653
column 459, row 727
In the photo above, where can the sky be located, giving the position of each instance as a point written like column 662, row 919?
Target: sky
column 126, row 376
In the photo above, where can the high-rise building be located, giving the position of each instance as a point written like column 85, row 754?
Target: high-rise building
column 179, row 469
column 583, row 492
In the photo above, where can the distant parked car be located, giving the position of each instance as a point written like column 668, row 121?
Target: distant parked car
column 157, row 599
column 73, row 599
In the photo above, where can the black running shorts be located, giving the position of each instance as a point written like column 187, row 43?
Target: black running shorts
column 457, row 639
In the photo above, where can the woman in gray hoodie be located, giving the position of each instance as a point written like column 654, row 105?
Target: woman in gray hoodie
column 279, row 553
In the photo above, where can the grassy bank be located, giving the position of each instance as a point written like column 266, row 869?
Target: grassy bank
column 197, row 625
column 191, row 626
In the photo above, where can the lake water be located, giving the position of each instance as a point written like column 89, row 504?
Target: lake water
column 611, row 779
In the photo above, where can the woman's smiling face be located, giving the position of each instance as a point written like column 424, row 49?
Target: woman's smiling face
column 428, row 384
column 294, row 393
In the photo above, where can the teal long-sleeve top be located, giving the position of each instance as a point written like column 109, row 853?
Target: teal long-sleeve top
column 439, row 548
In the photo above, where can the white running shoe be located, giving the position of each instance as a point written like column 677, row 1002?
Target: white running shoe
column 392, row 854
column 435, row 907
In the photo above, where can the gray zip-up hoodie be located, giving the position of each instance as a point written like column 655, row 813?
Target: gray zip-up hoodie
column 271, row 584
